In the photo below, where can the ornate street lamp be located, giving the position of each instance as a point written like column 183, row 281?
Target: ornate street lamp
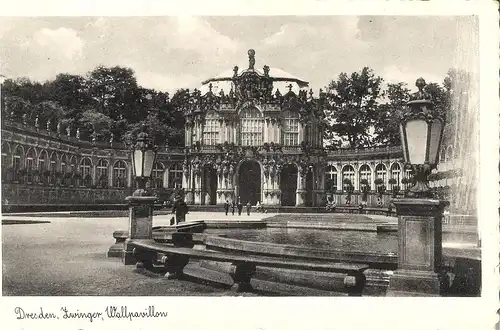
column 143, row 159
column 420, row 271
column 421, row 135
column 140, row 204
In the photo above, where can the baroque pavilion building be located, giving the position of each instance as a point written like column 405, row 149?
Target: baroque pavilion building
column 252, row 134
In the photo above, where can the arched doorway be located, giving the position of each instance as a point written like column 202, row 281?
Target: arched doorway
column 249, row 182
column 288, row 185
column 209, row 185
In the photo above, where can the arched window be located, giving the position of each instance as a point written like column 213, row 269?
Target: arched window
column 17, row 163
column 119, row 174
column 381, row 173
column 30, row 165
column 73, row 171
column 396, row 174
column 175, row 176
column 64, row 168
column 157, row 176
column 51, row 179
column 348, row 173
column 252, row 127
column 5, row 162
column 102, row 173
column 331, row 178
column 17, row 158
column 290, row 128
column 408, row 176
column 365, row 173
column 211, row 129
column 5, row 155
column 43, row 161
column 85, row 171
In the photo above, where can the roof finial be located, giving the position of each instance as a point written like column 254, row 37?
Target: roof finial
column 251, row 59
column 290, row 86
column 210, row 87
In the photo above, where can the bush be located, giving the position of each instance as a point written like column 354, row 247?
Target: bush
column 379, row 181
column 392, row 181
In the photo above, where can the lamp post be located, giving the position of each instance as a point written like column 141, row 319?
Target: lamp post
column 140, row 204
column 419, row 270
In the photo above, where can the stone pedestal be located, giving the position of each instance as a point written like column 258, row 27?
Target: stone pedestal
column 140, row 223
column 419, row 248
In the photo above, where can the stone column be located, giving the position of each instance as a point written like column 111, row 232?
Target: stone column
column 356, row 176
column 299, row 197
column 419, row 270
column 140, row 223
column 197, row 188
column 372, row 178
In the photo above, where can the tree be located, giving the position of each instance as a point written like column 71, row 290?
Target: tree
column 387, row 123
column 71, row 92
column 352, row 107
column 114, row 92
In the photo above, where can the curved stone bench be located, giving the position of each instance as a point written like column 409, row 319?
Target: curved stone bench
column 116, row 250
column 149, row 254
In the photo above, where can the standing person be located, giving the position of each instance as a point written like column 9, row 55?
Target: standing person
column 240, row 206
column 248, row 207
column 226, row 206
column 233, row 206
column 180, row 209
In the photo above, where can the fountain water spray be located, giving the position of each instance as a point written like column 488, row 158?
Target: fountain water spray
column 463, row 119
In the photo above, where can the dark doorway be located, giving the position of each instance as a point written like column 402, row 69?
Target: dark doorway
column 288, row 185
column 209, row 185
column 249, row 182
column 309, row 188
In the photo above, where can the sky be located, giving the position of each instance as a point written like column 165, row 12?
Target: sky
column 171, row 52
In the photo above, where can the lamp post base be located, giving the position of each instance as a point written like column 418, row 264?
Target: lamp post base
column 140, row 223
column 419, row 270
column 411, row 283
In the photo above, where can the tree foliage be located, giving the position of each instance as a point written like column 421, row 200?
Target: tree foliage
column 386, row 127
column 107, row 101
column 352, row 110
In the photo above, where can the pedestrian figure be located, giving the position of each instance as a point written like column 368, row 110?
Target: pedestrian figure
column 233, row 206
column 248, row 207
column 180, row 209
column 258, row 207
column 240, row 206
column 226, row 206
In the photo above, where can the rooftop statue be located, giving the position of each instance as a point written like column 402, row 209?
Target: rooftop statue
column 421, row 94
column 251, row 59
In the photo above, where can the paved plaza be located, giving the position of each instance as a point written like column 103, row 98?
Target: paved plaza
column 68, row 257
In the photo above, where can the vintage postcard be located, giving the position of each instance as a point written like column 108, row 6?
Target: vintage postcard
column 250, row 165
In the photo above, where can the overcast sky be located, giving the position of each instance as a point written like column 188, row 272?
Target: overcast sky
column 174, row 52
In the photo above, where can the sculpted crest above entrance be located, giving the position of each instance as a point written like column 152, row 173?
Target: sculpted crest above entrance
column 270, row 88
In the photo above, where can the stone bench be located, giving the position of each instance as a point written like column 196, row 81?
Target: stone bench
column 150, row 254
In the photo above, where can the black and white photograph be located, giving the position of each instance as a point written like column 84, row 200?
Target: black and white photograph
column 253, row 157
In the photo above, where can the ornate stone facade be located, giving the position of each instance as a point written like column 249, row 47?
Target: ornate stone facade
column 244, row 139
